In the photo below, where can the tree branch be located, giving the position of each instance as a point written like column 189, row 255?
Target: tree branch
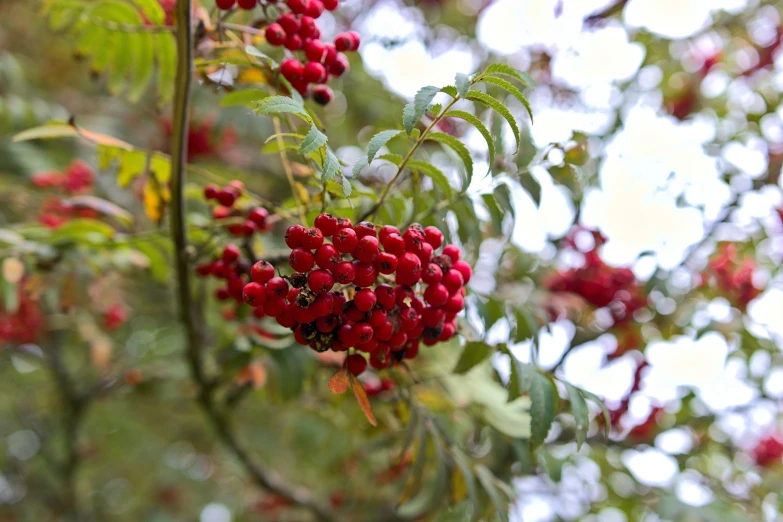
column 188, row 312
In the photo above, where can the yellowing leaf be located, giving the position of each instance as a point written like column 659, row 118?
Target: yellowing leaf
column 156, row 198
column 304, row 195
column 459, row 488
column 251, row 76
column 301, row 171
column 338, row 384
column 364, row 402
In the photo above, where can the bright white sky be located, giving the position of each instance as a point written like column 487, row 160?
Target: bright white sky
column 659, row 188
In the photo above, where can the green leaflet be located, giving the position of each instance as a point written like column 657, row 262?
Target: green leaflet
column 378, row 141
column 458, row 147
column 463, row 464
column 314, row 140
column 462, row 81
column 167, row 66
column 580, row 412
column 503, row 84
column 435, row 174
column 416, row 109
column 243, row 97
column 331, row 167
column 152, row 10
column 500, row 69
column 487, row 480
column 475, row 352
column 143, row 52
column 468, row 117
column 498, row 107
column 283, row 104
column 542, row 407
column 604, row 410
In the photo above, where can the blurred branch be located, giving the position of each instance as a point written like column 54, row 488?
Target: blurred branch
column 607, row 12
column 189, row 314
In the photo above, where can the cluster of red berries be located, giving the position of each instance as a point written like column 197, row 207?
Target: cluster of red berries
column 25, row 323
column 77, row 179
column 731, row 276
column 256, row 219
column 377, row 292
column 768, row 451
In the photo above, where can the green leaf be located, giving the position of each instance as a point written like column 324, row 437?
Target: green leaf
column 532, row 186
column 243, row 97
column 143, row 51
column 567, row 175
column 48, row 131
column 167, row 66
column 458, row 147
column 152, row 10
column 252, row 51
column 526, row 325
column 282, row 104
column 542, row 407
column 347, row 187
column 551, row 465
column 474, row 353
column 436, row 175
column 580, row 412
column 498, row 107
column 463, row 464
column 503, row 84
column 359, row 165
column 500, row 69
column 462, row 81
column 486, row 478
column 159, row 263
column 378, row 141
column 391, row 158
column 450, row 90
column 314, row 140
column 468, row 117
column 604, row 410
column 121, row 61
column 84, row 231
column 331, row 167
column 416, row 109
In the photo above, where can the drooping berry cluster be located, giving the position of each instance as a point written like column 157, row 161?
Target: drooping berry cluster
column 297, row 30
column 379, row 293
column 255, row 218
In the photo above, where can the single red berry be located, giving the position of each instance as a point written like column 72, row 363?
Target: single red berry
column 414, row 239
column 297, row 6
column 432, row 316
column 452, row 251
column 293, row 43
column 433, row 236
column 313, row 238
column 343, row 42
column 258, row 312
column 330, row 5
column 211, row 191
column 327, row 323
column 294, row 236
column 327, row 257
column 356, row 40
column 367, row 347
column 304, row 315
column 248, row 228
column 274, row 307
column 337, row 346
column 344, row 272
column 254, row 294
column 258, row 216
column 453, row 280
column 386, row 230
column 219, row 269
column 363, row 332
column 221, row 212
column 345, row 240
column 247, row 4
column 262, row 271
column 301, row 86
column 384, row 331
column 235, row 286
column 464, row 268
column 381, row 357
column 275, row 34
column 425, row 254
column 316, row 34
column 292, row 295
column 307, row 27
column 353, row 314
column 356, row 364
column 394, row 244
column 230, row 254
column 322, row 305
column 286, row 318
column 432, row 274
column 378, row 316
column 291, row 69
column 403, row 296
column 346, row 335
column 327, row 224
column 449, row 329
column 315, row 51
column 417, row 304
column 367, row 249
column 339, row 65
column 365, row 274
column 227, row 197
column 339, row 302
column 301, row 260
column 436, row 295
column 398, row 341
column 299, row 335
column 385, row 296
column 204, row 269
column 315, row 9
column 222, row 294
column 330, row 55
column 322, row 94
column 314, row 72
column 320, row 281
column 409, row 268
column 344, row 222
column 365, row 228
column 386, row 263
column 409, row 318
column 455, row 304
column 365, row 299
column 289, row 22
column 412, row 351
column 276, row 288
column 225, row 5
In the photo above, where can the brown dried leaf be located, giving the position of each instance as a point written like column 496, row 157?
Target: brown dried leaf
column 364, row 402
column 338, row 384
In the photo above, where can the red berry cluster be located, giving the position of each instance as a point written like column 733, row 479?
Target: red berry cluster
column 336, row 298
column 78, row 179
column 256, row 218
column 731, row 276
column 25, row 323
column 768, row 451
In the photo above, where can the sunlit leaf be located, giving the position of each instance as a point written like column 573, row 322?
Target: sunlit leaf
column 378, row 141
column 498, row 107
column 364, row 402
column 416, row 109
column 339, row 382
column 480, row 127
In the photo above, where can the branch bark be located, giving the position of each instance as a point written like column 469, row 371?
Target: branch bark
column 189, row 314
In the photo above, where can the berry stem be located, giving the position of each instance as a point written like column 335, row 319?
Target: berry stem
column 288, row 172
column 407, row 158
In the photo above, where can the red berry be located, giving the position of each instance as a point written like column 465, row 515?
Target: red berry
column 367, row 250
column 301, row 86
column 289, row 23
column 304, row 315
column 464, row 268
column 322, row 95
column 219, row 269
column 339, row 301
column 356, row 364
column 247, row 4
column 327, row 256
column 436, row 295
column 225, row 5
column 449, row 329
column 343, row 42
column 274, row 307
column 315, row 9
column 294, row 236
column 293, row 43
column 221, row 212
column 378, row 316
column 320, row 281
column 412, row 351
column 403, row 296
column 254, row 294
column 414, row 239
column 330, row 5
column 286, row 318
column 292, row 294
column 314, row 72
column 433, row 236
column 356, row 40
column 238, row 186
column 339, row 64
column 367, row 347
column 432, row 317
column 381, row 357
column 313, row 238
column 344, row 272
column 365, row 228
column 409, row 268
column 301, row 260
column 327, row 224
column 275, row 34
column 365, row 274
column 363, row 332
column 258, row 312
column 409, row 318
column 315, row 52
column 394, row 244
column 276, row 288
column 262, row 271
column 326, row 323
column 227, row 197
column 385, row 295
column 222, row 294
column 230, row 254
column 344, row 222
column 386, row 263
column 297, row 6
column 398, row 341
column 307, row 27
column 452, row 251
column 353, row 314
column 346, row 335
column 455, row 304
column 453, row 280
column 204, row 269
column 258, row 216
column 345, row 240
column 386, row 230
column 425, row 254
column 291, row 69
column 211, row 191
column 432, row 274
column 365, row 299
column 299, row 336
column 384, row 331
column 330, row 54
column 322, row 305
